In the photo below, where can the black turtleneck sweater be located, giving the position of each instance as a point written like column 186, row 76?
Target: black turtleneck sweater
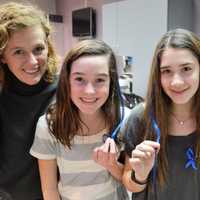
column 20, row 107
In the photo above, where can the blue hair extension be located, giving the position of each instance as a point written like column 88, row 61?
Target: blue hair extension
column 157, row 132
column 116, row 130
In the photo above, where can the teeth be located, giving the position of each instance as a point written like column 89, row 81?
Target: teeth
column 31, row 71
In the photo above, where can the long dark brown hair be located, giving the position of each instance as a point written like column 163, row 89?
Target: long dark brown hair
column 63, row 116
column 158, row 103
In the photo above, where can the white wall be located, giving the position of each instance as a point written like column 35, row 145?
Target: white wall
column 58, row 39
column 132, row 28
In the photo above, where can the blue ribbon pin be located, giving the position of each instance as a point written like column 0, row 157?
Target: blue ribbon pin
column 191, row 159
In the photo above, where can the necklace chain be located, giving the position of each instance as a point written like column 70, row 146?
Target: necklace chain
column 181, row 122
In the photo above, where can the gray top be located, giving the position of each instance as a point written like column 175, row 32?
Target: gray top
column 80, row 176
column 182, row 183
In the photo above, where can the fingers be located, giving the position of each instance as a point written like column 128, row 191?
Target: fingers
column 113, row 151
column 153, row 144
column 143, row 157
column 105, row 155
column 146, row 149
column 108, row 147
column 113, row 148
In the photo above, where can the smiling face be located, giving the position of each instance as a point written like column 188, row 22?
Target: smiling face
column 26, row 54
column 89, row 83
column 179, row 75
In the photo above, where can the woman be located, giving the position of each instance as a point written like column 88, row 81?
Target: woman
column 28, row 70
column 162, row 135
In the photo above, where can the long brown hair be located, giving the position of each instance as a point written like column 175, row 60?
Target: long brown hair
column 158, row 103
column 63, row 116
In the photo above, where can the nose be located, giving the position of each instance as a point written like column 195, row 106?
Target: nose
column 177, row 80
column 89, row 88
column 32, row 59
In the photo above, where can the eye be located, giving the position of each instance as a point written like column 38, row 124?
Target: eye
column 19, row 52
column 100, row 80
column 38, row 50
column 187, row 68
column 165, row 71
column 79, row 79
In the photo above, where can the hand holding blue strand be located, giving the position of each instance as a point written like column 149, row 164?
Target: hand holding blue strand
column 143, row 158
column 106, row 156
